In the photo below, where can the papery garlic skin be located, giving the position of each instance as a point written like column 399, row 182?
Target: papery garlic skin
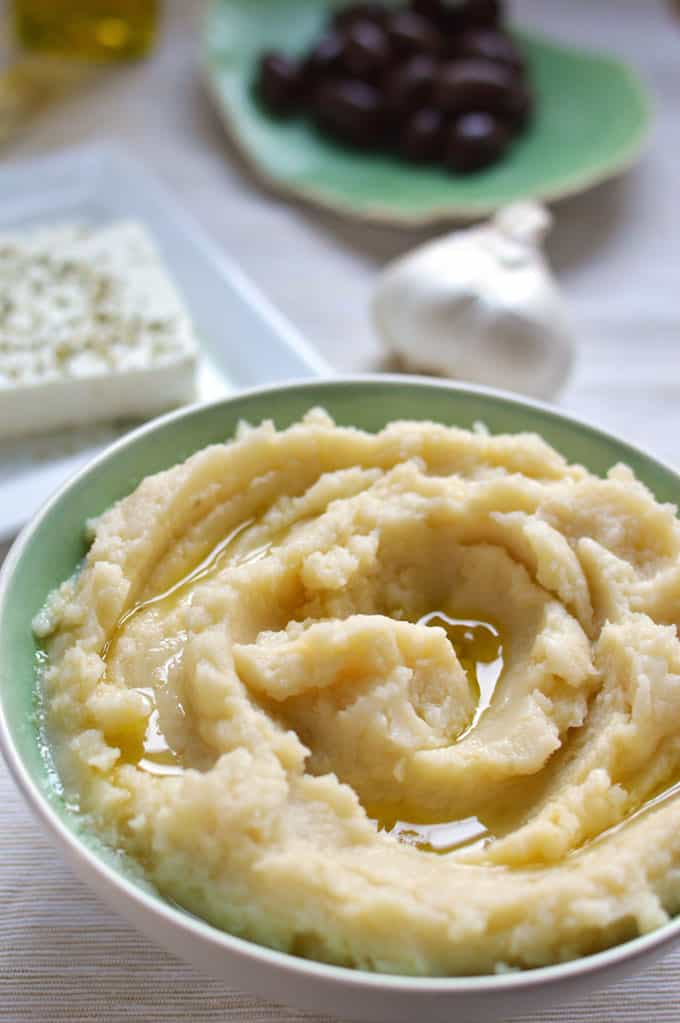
column 480, row 305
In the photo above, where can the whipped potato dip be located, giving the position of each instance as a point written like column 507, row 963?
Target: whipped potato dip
column 405, row 701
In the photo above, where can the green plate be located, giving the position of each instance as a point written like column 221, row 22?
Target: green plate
column 592, row 118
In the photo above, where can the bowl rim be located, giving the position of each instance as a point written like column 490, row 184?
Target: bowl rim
column 190, row 926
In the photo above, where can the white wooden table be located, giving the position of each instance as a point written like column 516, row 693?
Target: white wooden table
column 64, row 956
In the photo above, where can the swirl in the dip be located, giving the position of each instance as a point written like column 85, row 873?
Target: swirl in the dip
column 406, row 701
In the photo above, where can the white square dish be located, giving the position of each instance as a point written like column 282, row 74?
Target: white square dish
column 244, row 340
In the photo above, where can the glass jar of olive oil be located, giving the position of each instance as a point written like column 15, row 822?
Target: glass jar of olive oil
column 87, row 29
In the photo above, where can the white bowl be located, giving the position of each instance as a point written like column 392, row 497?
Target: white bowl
column 49, row 550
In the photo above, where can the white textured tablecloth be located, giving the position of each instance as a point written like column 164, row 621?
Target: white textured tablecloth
column 64, row 955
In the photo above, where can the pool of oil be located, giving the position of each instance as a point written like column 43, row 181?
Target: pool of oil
column 477, row 642
column 479, row 647
column 209, row 565
column 154, row 753
column 151, row 752
column 667, row 794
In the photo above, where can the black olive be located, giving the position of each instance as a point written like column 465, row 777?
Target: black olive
column 409, row 87
column 434, row 80
column 325, row 57
column 350, row 110
column 458, row 15
column 410, row 34
column 347, row 16
column 367, row 50
column 488, row 44
column 279, row 83
column 423, row 136
column 475, row 140
column 465, row 85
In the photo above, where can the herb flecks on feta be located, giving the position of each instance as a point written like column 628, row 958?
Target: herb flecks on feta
column 91, row 328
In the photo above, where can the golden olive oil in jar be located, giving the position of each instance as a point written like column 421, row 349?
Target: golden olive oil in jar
column 87, row 29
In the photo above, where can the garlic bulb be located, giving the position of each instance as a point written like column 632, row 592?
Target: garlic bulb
column 480, row 305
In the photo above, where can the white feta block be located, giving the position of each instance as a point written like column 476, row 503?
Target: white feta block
column 91, row 329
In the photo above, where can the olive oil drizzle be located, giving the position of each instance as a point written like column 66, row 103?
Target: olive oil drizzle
column 159, row 757
column 666, row 796
column 155, row 755
column 204, row 568
column 479, row 649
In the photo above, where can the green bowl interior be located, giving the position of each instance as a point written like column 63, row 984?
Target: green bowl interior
column 591, row 118
column 57, row 543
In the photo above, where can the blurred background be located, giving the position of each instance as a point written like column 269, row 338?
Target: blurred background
column 614, row 249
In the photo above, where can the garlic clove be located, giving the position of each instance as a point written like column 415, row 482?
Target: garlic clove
column 480, row 305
